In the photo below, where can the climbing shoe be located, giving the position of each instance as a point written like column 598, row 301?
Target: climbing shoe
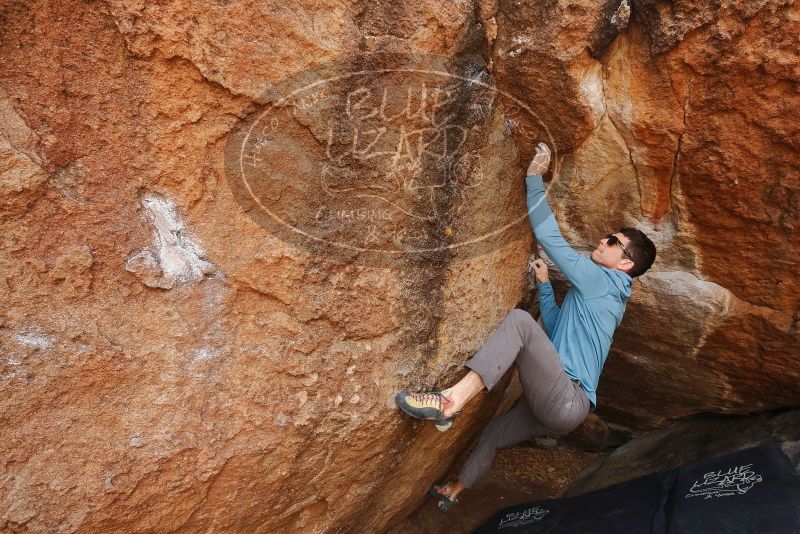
column 443, row 502
column 428, row 406
column 442, row 425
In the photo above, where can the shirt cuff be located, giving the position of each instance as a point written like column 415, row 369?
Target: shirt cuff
column 534, row 180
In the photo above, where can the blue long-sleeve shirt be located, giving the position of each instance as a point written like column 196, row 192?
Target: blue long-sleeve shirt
column 581, row 330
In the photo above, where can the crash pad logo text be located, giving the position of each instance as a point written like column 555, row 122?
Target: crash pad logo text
column 529, row 515
column 735, row 481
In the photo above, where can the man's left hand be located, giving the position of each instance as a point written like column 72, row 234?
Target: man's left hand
column 539, row 269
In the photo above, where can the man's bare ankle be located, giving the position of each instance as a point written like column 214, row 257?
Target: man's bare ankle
column 453, row 406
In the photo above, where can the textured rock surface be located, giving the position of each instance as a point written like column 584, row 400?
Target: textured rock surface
column 169, row 365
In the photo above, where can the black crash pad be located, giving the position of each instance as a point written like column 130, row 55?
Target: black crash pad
column 752, row 491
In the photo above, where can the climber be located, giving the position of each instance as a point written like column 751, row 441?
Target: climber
column 559, row 366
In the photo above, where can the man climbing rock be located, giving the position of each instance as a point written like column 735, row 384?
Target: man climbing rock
column 559, row 367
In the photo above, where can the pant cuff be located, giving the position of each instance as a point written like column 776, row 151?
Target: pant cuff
column 466, row 485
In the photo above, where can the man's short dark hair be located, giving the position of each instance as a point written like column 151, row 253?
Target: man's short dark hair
column 642, row 250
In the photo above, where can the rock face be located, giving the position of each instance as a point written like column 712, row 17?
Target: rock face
column 170, row 363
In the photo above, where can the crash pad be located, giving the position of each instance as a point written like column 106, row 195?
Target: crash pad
column 751, row 491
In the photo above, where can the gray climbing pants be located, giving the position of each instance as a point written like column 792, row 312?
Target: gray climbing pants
column 551, row 403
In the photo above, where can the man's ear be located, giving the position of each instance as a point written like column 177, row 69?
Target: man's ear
column 625, row 265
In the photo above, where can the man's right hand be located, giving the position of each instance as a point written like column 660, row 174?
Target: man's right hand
column 541, row 161
column 540, row 269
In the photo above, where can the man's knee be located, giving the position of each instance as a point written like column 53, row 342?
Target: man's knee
column 520, row 316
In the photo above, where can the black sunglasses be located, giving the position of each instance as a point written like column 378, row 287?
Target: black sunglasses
column 613, row 240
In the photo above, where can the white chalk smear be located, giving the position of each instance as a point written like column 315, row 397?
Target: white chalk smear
column 175, row 257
